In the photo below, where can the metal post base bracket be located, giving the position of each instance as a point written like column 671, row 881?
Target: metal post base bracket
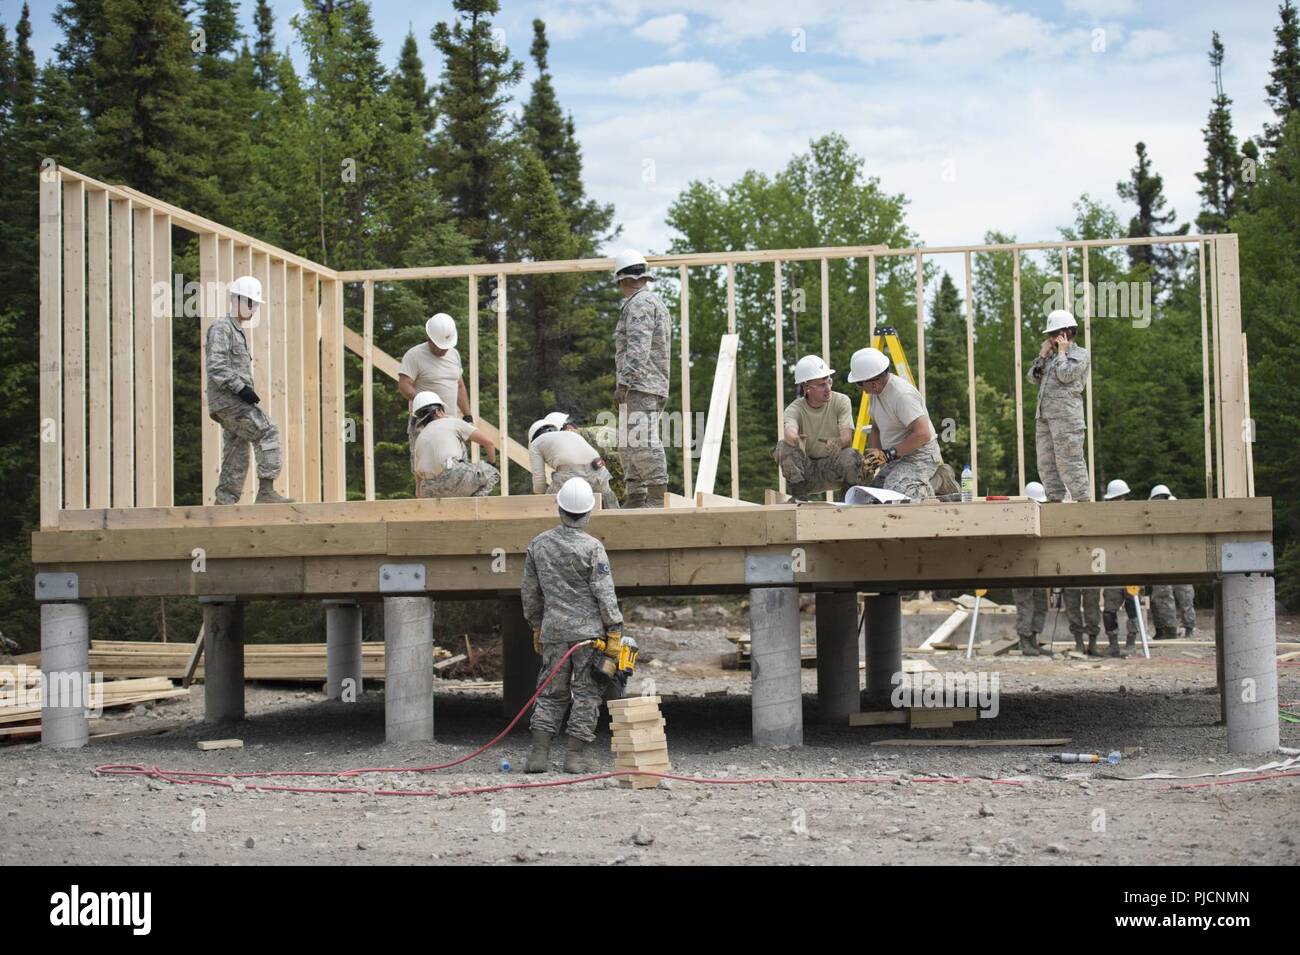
column 1246, row 557
column 402, row 579
column 61, row 587
column 769, row 570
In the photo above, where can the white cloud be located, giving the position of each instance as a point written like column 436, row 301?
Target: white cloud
column 1101, row 8
column 667, row 79
column 666, row 29
column 1148, row 43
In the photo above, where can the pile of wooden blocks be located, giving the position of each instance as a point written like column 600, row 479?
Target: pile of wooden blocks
column 639, row 741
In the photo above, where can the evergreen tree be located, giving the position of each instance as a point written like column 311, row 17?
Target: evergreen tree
column 1222, row 161
column 264, row 54
column 1146, row 190
column 1283, row 87
column 412, row 89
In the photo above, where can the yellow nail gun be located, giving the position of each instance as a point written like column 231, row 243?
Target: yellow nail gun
column 614, row 659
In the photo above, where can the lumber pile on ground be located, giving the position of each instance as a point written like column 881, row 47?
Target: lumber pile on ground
column 21, row 713
column 291, row 662
column 639, row 741
column 740, row 658
column 920, row 718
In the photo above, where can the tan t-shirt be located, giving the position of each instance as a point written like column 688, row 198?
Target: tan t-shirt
column 821, row 427
column 894, row 409
column 437, row 373
column 440, row 441
column 559, row 449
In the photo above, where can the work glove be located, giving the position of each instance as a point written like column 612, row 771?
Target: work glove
column 537, row 640
column 613, row 643
column 873, row 459
column 468, row 418
column 249, row 395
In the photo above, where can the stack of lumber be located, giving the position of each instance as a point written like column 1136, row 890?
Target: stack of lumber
column 23, row 719
column 639, row 741
column 920, row 718
column 296, row 662
column 739, row 660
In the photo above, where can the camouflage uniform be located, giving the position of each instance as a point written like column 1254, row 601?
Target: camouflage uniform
column 642, row 339
column 1089, row 620
column 1113, row 598
column 1059, row 423
column 568, row 591
column 229, row 370
column 605, row 440
column 1031, row 610
column 911, row 473
column 462, row 479
column 1172, row 604
column 805, row 476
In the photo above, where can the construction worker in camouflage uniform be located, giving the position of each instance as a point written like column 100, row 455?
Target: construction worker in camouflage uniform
column 642, row 339
column 1113, row 598
column 233, row 404
column 562, row 449
column 902, row 446
column 1031, row 602
column 440, row 466
column 568, row 597
column 1171, row 604
column 816, row 447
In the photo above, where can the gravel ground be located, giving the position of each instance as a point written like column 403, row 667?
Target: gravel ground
column 55, row 810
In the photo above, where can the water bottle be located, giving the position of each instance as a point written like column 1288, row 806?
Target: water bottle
column 505, row 765
column 967, row 484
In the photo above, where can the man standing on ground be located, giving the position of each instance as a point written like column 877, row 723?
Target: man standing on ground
column 1112, row 598
column 1172, row 604
column 642, row 340
column 1031, row 602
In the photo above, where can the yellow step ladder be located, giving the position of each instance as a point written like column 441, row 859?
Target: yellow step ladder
column 885, row 340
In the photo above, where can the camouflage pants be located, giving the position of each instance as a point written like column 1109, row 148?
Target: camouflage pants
column 1089, row 620
column 599, row 481
column 1031, row 610
column 644, row 462
column 573, row 684
column 462, row 479
column 1173, row 605
column 412, row 432
column 910, row 474
column 1112, row 599
column 240, row 427
column 1062, row 462
column 805, row 476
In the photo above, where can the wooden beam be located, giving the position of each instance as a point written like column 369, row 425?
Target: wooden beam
column 293, row 425
column 311, row 386
column 733, row 419
column 279, row 371
column 123, row 351
column 826, row 330
column 74, row 344
column 51, row 348
column 1087, row 343
column 723, row 373
column 146, row 474
column 99, row 373
column 1207, row 417
column 367, row 386
column 778, row 322
column 970, row 378
column 502, row 417
column 1020, row 375
column 471, row 320
column 687, row 445
column 161, row 374
column 1232, row 387
column 333, row 434
column 920, row 326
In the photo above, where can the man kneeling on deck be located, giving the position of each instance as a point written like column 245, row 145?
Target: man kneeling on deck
column 233, row 404
column 440, row 466
column 902, row 442
column 568, row 596
column 815, row 452
column 551, row 443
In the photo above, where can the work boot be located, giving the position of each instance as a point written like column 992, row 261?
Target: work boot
column 267, row 494
column 1189, row 633
column 1043, row 649
column 222, row 499
column 1130, row 643
column 577, row 756
column 1166, row 633
column 654, row 495
column 1112, row 644
column 1092, row 650
column 540, row 753
column 1028, row 648
column 1078, row 643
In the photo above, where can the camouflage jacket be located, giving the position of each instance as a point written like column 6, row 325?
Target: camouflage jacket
column 642, row 339
column 229, row 364
column 1061, row 380
column 567, row 588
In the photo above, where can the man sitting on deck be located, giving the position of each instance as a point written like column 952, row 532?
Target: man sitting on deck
column 815, row 452
column 902, row 442
column 440, row 466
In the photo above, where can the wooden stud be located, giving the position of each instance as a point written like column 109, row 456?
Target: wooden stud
column 367, row 385
column 258, row 332
column 74, row 344
column 333, row 435
column 279, row 371
column 970, row 376
column 687, row 442
column 733, row 420
column 920, row 326
column 1232, row 388
column 471, row 319
column 1216, row 338
column 123, row 349
column 292, row 423
column 142, row 261
column 98, row 356
column 1087, row 386
column 1020, row 381
column 724, row 372
column 1248, row 423
column 826, row 333
column 503, row 461
column 1205, row 376
column 311, row 386
column 871, row 299
column 212, row 302
column 163, row 399
column 51, row 348
column 779, row 323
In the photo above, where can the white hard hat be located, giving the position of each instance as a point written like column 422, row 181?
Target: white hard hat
column 1161, row 492
column 557, row 418
column 630, row 264
column 247, row 286
column 1036, row 492
column 576, row 497
column 536, row 426
column 441, row 330
column 424, row 399
column 1058, row 319
column 810, row 368
column 1116, row 488
column 866, row 364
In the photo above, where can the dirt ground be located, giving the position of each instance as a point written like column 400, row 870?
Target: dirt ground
column 1018, row 806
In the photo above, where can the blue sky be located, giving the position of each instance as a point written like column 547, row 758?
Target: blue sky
column 985, row 114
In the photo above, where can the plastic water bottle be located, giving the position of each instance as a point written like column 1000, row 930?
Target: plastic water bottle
column 967, row 484
column 505, row 765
